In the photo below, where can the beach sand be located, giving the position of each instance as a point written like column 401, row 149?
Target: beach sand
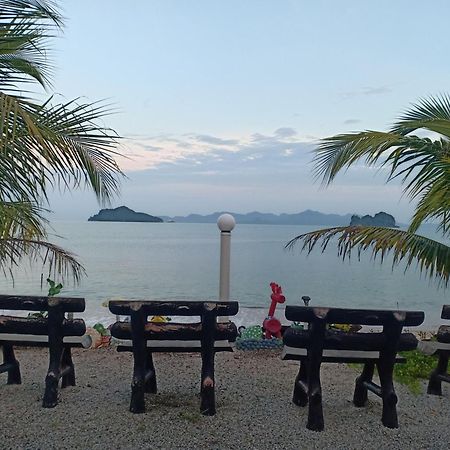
column 254, row 408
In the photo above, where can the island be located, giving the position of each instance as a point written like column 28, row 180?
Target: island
column 380, row 219
column 122, row 214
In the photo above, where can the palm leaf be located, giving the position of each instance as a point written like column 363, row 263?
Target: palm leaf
column 58, row 262
column 432, row 257
column 58, row 145
column 432, row 114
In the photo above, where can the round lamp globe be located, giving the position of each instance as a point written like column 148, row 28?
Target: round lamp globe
column 226, row 222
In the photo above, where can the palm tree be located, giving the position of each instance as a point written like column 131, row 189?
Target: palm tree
column 422, row 164
column 43, row 145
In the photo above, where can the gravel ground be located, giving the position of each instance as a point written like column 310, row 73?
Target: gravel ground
column 254, row 408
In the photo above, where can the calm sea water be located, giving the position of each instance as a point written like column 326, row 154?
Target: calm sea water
column 181, row 261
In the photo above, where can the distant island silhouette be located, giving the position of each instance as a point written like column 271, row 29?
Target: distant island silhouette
column 122, row 214
column 380, row 219
column 308, row 217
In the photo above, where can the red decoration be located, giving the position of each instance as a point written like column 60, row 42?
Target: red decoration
column 271, row 325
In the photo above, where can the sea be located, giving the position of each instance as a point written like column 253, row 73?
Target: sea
column 152, row 261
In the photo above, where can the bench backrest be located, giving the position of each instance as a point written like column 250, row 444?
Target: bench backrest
column 445, row 312
column 353, row 316
column 172, row 308
column 37, row 303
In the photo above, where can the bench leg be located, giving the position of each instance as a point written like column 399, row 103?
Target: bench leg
column 207, row 390
column 137, row 404
column 300, row 397
column 315, row 411
column 434, row 385
column 68, row 379
column 150, row 376
column 389, row 417
column 55, row 340
column 315, row 350
column 10, row 359
column 360, row 395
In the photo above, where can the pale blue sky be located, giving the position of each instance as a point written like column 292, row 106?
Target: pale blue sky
column 222, row 100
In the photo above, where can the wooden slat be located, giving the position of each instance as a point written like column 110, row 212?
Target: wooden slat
column 175, row 346
column 32, row 340
column 172, row 308
column 356, row 316
column 39, row 326
column 433, row 347
column 338, row 340
column 349, row 356
column 175, row 331
column 39, row 303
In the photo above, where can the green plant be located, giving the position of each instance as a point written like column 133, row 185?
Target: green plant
column 54, row 289
column 417, row 367
column 420, row 163
column 101, row 329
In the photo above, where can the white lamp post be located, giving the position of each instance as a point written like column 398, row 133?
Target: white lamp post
column 225, row 223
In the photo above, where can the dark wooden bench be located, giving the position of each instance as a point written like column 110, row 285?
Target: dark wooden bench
column 147, row 337
column 55, row 332
column 378, row 348
column 441, row 348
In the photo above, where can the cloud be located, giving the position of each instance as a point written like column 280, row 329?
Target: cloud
column 376, row 90
column 285, row 132
column 367, row 90
column 351, row 121
column 156, row 152
column 215, row 140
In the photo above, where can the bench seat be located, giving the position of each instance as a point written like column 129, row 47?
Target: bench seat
column 55, row 331
column 319, row 344
column 441, row 348
column 144, row 338
column 339, row 340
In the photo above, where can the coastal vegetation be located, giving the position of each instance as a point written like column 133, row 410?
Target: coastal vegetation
column 44, row 145
column 416, row 151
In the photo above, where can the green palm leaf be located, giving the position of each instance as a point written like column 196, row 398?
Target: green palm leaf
column 46, row 145
column 432, row 257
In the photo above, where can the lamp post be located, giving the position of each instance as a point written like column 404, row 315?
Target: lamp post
column 225, row 223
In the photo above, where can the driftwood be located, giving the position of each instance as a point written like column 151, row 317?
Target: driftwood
column 382, row 347
column 140, row 331
column 55, row 326
column 440, row 373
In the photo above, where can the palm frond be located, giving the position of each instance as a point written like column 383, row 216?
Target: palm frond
column 432, row 114
column 59, row 145
column 25, row 27
column 59, row 263
column 432, row 257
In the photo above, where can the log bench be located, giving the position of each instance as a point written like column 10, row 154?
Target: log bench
column 319, row 344
column 147, row 337
column 441, row 348
column 55, row 332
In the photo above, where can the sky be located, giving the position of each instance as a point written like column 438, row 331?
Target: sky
column 221, row 104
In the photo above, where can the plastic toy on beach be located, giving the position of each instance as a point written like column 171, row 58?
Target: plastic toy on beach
column 272, row 325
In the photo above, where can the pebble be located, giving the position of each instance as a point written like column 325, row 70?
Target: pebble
column 254, row 408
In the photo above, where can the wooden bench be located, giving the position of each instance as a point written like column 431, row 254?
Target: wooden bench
column 441, row 348
column 323, row 345
column 147, row 337
column 55, row 332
